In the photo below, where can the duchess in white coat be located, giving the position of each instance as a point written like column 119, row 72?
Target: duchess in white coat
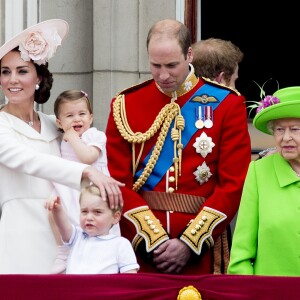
column 29, row 153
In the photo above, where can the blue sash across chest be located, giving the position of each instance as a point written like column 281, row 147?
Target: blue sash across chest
column 165, row 159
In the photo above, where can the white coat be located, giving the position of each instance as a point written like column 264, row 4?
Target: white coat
column 29, row 162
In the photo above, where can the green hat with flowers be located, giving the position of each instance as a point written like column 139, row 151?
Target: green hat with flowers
column 285, row 103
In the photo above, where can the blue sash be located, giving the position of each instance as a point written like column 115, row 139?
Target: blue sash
column 165, row 159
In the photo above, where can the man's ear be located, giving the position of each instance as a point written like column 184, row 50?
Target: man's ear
column 190, row 55
column 220, row 78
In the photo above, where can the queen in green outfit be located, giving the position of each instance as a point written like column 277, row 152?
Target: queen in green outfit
column 266, row 239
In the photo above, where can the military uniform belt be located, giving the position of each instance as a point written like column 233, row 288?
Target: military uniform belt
column 173, row 201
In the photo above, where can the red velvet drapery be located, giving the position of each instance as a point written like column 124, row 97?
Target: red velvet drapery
column 146, row 286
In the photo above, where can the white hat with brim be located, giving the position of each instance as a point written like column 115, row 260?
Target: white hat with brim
column 61, row 26
column 288, row 107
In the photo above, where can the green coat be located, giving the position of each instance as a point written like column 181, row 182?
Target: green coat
column 266, row 239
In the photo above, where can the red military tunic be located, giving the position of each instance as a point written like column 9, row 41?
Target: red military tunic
column 222, row 165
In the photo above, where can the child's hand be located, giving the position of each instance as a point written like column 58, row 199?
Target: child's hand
column 70, row 134
column 53, row 203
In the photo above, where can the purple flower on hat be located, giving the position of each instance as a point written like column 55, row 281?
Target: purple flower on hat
column 266, row 102
column 40, row 46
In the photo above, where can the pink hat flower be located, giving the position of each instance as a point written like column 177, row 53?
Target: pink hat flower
column 40, row 46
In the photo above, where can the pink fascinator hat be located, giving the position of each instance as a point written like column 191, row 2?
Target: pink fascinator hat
column 38, row 42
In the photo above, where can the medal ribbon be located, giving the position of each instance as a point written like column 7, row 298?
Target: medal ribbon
column 165, row 159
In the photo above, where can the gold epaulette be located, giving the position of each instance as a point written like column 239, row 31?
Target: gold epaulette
column 200, row 229
column 213, row 82
column 147, row 226
column 135, row 87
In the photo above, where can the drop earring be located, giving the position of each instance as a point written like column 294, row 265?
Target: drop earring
column 37, row 86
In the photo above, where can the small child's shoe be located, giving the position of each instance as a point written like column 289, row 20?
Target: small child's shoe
column 60, row 263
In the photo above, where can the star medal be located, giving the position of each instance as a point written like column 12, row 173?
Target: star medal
column 208, row 116
column 204, row 144
column 202, row 174
column 199, row 122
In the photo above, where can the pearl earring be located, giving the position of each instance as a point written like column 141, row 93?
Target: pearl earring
column 37, row 86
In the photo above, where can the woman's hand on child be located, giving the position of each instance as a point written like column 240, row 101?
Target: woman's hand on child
column 108, row 186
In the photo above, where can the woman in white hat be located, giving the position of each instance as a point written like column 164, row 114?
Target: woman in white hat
column 266, row 239
column 29, row 152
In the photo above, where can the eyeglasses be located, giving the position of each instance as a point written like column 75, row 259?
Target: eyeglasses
column 280, row 131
